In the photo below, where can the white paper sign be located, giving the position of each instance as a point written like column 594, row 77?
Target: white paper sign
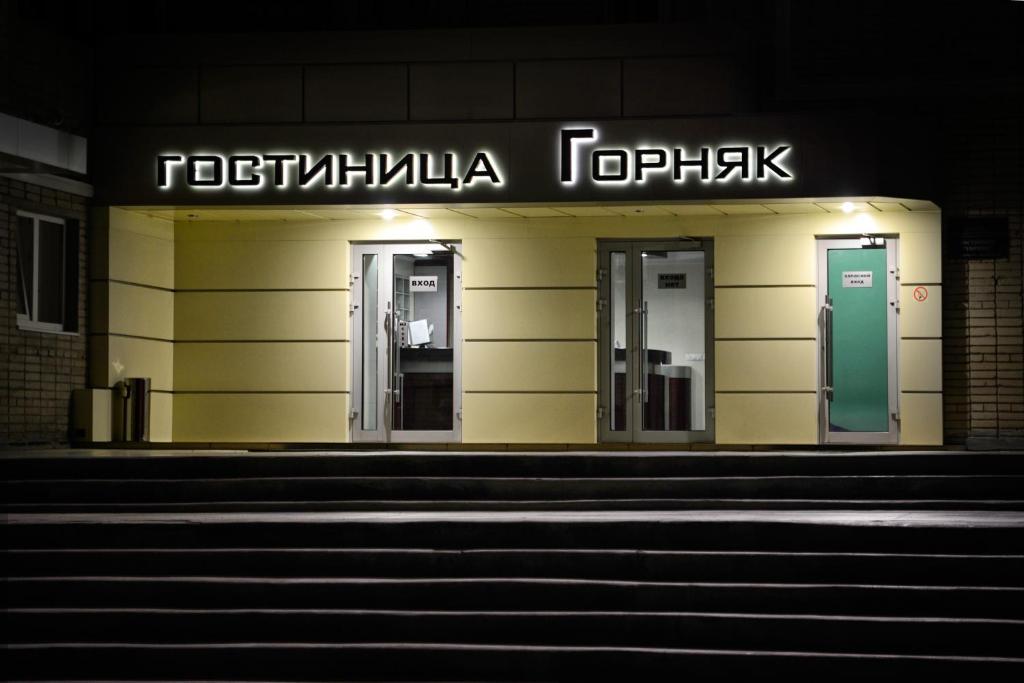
column 423, row 283
column 857, row 278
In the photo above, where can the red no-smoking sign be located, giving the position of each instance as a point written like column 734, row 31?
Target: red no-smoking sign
column 920, row 293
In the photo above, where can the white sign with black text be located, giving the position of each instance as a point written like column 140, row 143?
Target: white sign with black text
column 423, row 283
column 857, row 278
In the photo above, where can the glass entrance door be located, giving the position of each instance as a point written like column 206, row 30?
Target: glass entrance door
column 657, row 368
column 858, row 304
column 406, row 343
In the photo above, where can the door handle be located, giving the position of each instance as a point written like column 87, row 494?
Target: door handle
column 826, row 311
column 645, row 392
column 400, row 390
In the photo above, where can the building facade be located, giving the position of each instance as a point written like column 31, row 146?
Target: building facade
column 486, row 236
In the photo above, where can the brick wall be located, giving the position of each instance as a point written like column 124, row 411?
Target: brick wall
column 982, row 307
column 38, row 371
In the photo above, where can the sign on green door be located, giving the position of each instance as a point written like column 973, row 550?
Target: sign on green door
column 860, row 358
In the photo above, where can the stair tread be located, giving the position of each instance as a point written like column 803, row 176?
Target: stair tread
column 628, row 552
column 872, row 518
column 670, row 614
column 526, row 580
column 501, row 648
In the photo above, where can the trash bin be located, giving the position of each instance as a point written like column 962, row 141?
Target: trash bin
column 135, row 408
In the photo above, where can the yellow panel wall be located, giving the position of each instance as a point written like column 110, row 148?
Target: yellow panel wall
column 113, row 358
column 161, row 419
column 265, row 264
column 530, row 262
column 760, row 365
column 766, row 418
column 247, row 418
column 920, row 258
column 529, row 418
column 765, row 312
column 141, row 311
column 132, row 307
column 529, row 314
column 265, row 366
column 141, row 250
column 921, row 419
column 921, row 318
column 269, row 316
column 920, row 365
column 529, row 366
column 765, row 260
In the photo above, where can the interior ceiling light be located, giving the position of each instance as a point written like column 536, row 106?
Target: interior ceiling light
column 388, row 214
column 847, row 207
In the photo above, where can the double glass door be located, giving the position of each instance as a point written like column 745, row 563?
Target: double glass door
column 656, row 362
column 406, row 343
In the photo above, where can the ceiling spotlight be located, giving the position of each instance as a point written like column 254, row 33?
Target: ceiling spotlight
column 847, row 207
column 388, row 214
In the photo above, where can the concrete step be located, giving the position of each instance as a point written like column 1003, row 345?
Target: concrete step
column 367, row 661
column 519, row 594
column 1005, row 487
column 524, row 504
column 176, row 465
column 955, row 532
column 613, row 504
column 780, row 632
column 626, row 564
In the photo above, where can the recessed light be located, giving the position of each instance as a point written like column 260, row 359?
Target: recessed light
column 388, row 214
column 847, row 207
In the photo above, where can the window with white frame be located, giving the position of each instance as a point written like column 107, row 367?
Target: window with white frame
column 42, row 287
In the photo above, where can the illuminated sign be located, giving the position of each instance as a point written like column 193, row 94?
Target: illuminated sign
column 250, row 171
column 579, row 158
column 624, row 165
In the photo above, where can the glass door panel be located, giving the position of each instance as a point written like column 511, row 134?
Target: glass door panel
column 656, row 379
column 369, row 368
column 672, row 340
column 423, row 352
column 407, row 331
column 618, row 369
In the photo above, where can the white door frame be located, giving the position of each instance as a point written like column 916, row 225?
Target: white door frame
column 892, row 335
column 385, row 328
column 634, row 432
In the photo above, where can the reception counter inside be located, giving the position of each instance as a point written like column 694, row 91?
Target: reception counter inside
column 424, row 400
column 669, row 404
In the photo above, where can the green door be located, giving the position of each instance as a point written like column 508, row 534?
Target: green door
column 859, row 341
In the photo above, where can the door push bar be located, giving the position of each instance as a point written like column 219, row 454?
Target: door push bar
column 826, row 312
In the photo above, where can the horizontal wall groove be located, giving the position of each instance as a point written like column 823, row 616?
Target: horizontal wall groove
column 255, row 289
column 275, row 392
column 261, row 341
column 130, row 336
column 466, row 341
column 588, row 392
column 923, row 338
column 526, row 289
column 920, row 284
column 762, row 286
column 189, row 290
column 762, row 339
column 221, row 341
column 766, row 391
column 921, row 391
column 100, row 280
